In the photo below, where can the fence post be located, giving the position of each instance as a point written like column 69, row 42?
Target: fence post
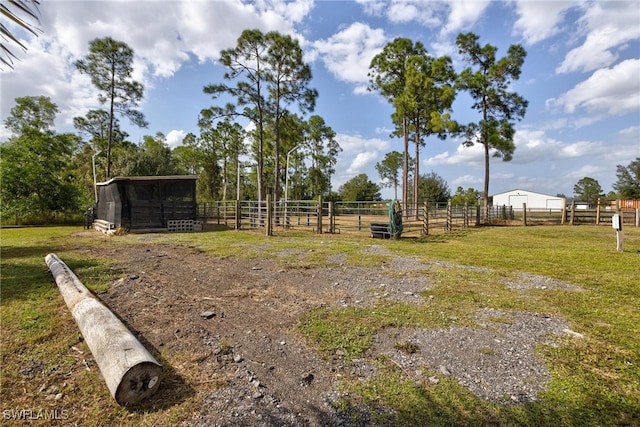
column 238, row 215
column 573, row 212
column 268, row 227
column 524, row 214
column 449, row 225
column 425, row 220
column 465, row 222
column 598, row 212
column 637, row 217
column 563, row 220
column 204, row 213
column 332, row 224
column 319, row 214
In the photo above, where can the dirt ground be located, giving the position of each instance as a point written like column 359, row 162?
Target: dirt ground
column 225, row 329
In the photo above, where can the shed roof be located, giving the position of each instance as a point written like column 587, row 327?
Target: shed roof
column 526, row 191
column 149, row 178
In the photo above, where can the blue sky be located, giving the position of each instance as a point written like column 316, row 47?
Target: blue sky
column 581, row 75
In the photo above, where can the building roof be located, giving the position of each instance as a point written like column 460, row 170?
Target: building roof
column 526, row 191
column 149, row 178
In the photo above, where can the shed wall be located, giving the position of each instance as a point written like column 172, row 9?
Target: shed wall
column 147, row 203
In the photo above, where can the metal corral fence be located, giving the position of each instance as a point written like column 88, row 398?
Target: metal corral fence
column 357, row 217
column 335, row 217
column 572, row 215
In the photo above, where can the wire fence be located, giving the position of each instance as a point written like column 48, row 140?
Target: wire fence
column 359, row 217
column 366, row 216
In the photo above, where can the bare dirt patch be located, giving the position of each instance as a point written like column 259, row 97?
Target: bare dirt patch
column 226, row 327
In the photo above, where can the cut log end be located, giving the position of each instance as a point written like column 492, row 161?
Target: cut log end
column 129, row 370
column 138, row 383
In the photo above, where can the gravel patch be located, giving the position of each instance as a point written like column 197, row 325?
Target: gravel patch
column 495, row 362
column 533, row 281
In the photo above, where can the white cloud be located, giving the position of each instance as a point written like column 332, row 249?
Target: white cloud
column 444, row 48
column 534, row 145
column 539, row 20
column 449, row 15
column 472, row 156
column 163, row 35
column 383, row 130
column 463, row 14
column 353, row 144
column 466, row 181
column 612, row 91
column 423, row 12
column 372, row 7
column 348, row 53
column 175, row 137
column 361, row 161
column 587, row 170
column 630, row 134
column 72, row 92
column 608, row 26
column 582, row 149
column 358, row 155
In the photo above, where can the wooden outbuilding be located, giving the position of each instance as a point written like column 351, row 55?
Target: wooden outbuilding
column 146, row 203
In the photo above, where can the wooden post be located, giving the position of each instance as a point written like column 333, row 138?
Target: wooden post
column 619, row 235
column 268, row 226
column 238, row 215
column 637, row 217
column 319, row 223
column 598, row 212
column 573, row 212
column 332, row 219
column 564, row 212
column 524, row 214
column 449, row 225
column 466, row 216
column 425, row 220
column 130, row 371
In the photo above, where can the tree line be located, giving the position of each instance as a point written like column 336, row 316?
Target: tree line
column 269, row 86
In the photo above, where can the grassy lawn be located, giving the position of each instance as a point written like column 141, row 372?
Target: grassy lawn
column 595, row 380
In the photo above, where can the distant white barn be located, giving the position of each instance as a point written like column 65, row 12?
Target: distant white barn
column 515, row 199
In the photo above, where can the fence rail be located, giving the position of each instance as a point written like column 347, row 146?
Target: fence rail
column 358, row 217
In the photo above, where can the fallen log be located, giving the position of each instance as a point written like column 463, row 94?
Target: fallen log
column 130, row 371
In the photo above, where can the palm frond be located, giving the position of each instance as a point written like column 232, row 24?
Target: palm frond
column 11, row 12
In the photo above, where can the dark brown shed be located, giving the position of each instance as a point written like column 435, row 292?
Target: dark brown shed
column 147, row 202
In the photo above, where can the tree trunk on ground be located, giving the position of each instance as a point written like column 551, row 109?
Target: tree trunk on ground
column 130, row 371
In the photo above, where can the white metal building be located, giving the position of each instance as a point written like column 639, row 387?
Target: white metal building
column 516, row 198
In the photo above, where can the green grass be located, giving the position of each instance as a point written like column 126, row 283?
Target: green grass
column 594, row 381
